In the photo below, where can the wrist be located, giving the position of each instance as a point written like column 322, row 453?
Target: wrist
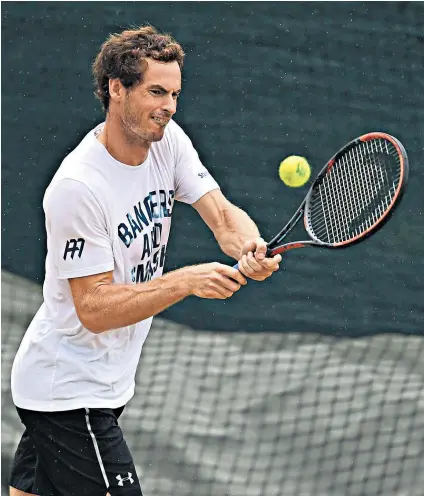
column 184, row 281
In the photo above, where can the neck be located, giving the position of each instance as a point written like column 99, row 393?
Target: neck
column 120, row 145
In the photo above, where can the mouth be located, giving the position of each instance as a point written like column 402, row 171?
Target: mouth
column 160, row 121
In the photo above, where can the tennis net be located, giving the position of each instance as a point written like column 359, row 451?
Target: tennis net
column 233, row 413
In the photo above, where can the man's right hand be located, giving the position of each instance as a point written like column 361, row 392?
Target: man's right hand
column 214, row 280
column 102, row 305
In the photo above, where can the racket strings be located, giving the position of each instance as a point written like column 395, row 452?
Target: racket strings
column 356, row 192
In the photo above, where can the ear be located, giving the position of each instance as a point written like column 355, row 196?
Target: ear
column 116, row 90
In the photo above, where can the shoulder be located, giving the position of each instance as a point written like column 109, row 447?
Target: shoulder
column 68, row 191
column 177, row 136
column 174, row 130
column 178, row 142
column 81, row 169
column 172, row 146
column 68, row 202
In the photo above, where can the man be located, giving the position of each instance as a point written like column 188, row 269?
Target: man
column 108, row 213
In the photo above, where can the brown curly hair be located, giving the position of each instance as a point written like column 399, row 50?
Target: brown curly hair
column 121, row 57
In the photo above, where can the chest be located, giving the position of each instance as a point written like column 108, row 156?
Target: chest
column 140, row 223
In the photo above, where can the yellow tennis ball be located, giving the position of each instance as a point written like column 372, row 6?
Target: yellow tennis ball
column 294, row 171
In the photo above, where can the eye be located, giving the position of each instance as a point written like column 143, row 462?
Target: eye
column 157, row 92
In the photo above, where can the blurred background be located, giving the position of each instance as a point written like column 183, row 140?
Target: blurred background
column 311, row 383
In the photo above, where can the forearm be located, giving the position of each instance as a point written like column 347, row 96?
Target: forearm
column 112, row 306
column 235, row 229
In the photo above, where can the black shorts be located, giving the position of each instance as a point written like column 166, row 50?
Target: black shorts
column 74, row 453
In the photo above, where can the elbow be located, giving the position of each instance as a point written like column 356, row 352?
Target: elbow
column 93, row 326
column 91, row 323
column 91, row 304
column 90, row 319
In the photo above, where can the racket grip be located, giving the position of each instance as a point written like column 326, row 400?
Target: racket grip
column 268, row 254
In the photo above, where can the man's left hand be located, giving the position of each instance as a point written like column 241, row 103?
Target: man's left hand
column 254, row 263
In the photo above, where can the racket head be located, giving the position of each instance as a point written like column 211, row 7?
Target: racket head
column 357, row 191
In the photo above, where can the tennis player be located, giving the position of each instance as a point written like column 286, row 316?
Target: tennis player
column 108, row 215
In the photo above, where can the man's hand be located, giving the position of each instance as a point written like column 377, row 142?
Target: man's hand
column 254, row 263
column 213, row 280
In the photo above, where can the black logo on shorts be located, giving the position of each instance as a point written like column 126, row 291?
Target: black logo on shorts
column 74, row 246
column 203, row 174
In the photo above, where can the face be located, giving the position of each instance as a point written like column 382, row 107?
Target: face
column 146, row 109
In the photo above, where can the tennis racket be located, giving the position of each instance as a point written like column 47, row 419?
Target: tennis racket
column 353, row 196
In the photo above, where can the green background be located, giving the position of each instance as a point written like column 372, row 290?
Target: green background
column 261, row 81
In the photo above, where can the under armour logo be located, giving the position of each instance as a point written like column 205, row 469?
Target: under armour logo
column 73, row 246
column 121, row 479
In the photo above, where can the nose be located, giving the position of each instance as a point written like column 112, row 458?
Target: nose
column 170, row 105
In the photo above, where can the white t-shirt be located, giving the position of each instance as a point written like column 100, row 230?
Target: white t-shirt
column 101, row 215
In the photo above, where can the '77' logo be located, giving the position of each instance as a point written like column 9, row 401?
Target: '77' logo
column 74, row 246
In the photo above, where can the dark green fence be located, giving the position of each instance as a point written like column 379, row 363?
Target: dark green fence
column 262, row 81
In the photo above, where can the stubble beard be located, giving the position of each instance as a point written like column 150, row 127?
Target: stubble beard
column 134, row 134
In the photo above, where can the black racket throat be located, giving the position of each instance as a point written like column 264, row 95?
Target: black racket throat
column 289, row 226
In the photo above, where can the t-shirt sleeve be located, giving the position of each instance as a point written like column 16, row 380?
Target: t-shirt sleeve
column 192, row 178
column 77, row 234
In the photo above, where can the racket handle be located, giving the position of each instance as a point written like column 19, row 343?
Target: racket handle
column 268, row 254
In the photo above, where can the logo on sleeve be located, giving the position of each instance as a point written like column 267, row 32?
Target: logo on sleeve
column 74, row 246
column 203, row 174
